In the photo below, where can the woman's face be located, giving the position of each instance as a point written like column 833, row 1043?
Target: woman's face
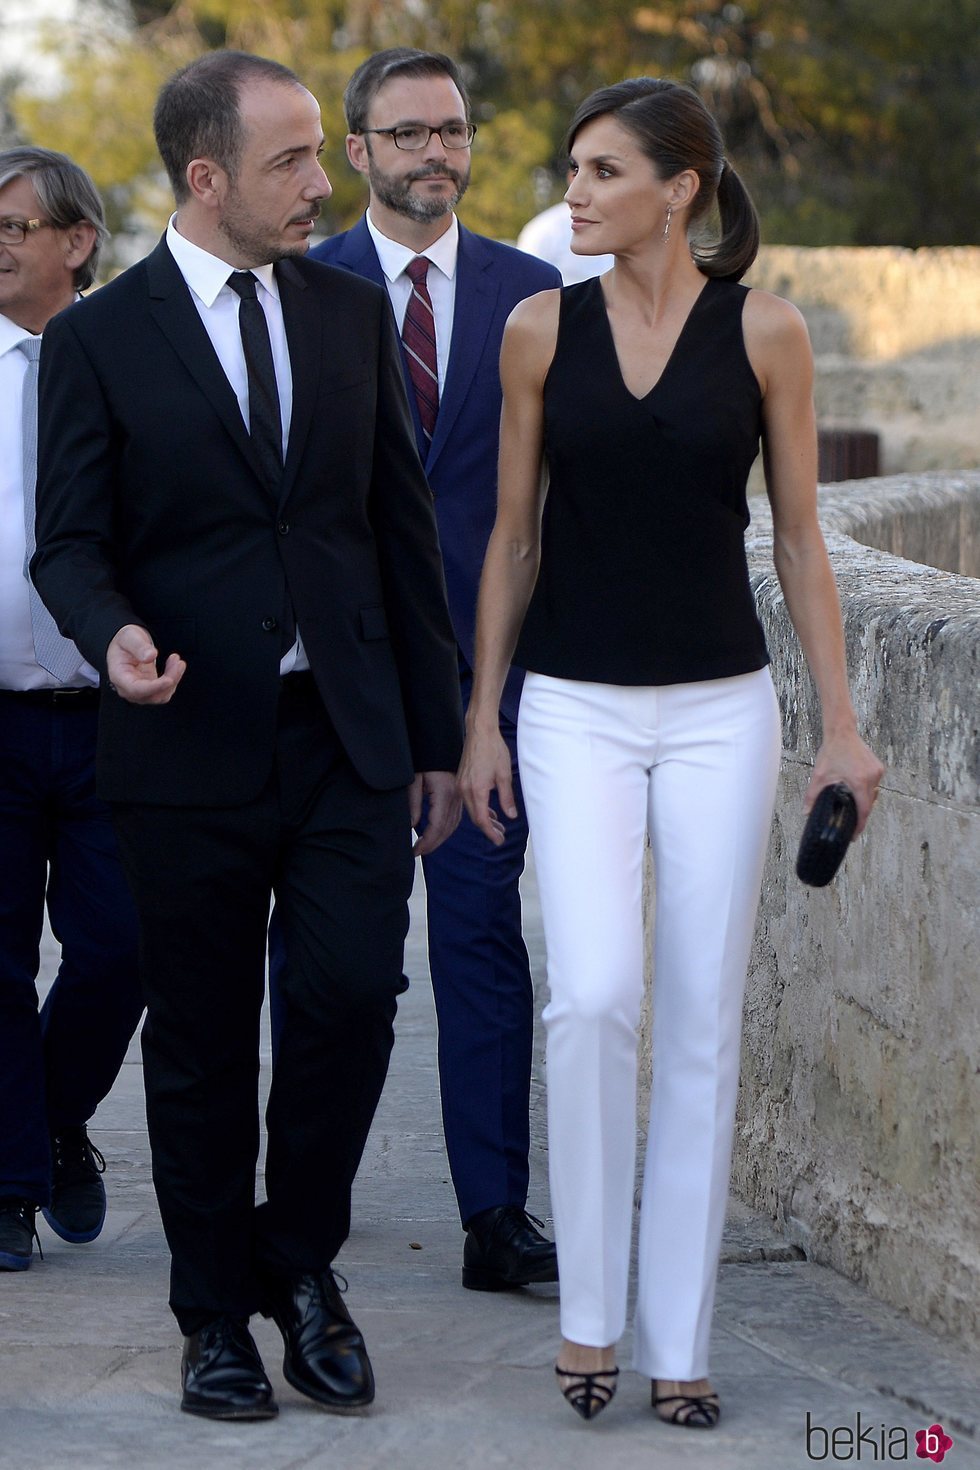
column 617, row 202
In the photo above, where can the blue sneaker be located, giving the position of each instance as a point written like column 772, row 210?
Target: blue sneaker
column 17, row 1233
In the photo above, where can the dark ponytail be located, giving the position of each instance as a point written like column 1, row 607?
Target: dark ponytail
column 731, row 257
column 676, row 132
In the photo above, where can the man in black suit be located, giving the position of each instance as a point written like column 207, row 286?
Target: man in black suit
column 235, row 528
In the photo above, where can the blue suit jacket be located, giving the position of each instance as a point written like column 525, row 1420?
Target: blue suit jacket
column 461, row 461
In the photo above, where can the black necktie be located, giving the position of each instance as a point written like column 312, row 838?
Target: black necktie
column 265, row 419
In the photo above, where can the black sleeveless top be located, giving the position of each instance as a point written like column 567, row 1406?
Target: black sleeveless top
column 643, row 576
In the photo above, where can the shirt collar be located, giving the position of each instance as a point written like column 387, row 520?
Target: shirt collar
column 395, row 257
column 205, row 273
column 11, row 334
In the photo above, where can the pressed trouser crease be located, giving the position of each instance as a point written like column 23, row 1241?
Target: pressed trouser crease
column 695, row 766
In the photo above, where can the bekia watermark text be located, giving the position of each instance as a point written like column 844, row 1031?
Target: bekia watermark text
column 865, row 1440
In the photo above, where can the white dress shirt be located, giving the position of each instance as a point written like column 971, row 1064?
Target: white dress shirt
column 19, row 668
column 217, row 305
column 441, row 284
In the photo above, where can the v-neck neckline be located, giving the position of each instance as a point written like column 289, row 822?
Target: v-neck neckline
column 603, row 307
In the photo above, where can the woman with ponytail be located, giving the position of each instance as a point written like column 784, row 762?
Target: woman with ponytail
column 620, row 579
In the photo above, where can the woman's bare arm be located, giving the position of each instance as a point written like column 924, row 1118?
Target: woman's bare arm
column 779, row 351
column 511, row 566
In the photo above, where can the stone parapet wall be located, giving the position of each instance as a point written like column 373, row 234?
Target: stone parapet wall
column 933, row 520
column 859, row 1111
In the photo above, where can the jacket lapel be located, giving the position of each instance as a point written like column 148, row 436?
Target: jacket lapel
column 477, row 292
column 177, row 317
column 303, row 335
column 357, row 254
column 476, row 300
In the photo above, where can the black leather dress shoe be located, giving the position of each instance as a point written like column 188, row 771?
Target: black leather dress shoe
column 503, row 1250
column 222, row 1374
column 325, row 1355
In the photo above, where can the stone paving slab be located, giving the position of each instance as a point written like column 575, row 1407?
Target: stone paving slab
column 89, row 1356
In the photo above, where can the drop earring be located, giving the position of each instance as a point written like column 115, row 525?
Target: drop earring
column 667, row 225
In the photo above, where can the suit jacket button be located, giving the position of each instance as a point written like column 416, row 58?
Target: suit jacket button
column 269, row 625
column 283, row 528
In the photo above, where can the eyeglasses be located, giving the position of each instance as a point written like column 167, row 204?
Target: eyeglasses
column 16, row 231
column 413, row 136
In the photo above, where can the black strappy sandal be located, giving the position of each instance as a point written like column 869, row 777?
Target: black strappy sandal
column 586, row 1394
column 692, row 1411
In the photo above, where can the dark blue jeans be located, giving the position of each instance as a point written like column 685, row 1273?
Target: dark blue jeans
column 57, row 846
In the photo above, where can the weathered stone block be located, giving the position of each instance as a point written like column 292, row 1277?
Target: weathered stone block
column 877, row 303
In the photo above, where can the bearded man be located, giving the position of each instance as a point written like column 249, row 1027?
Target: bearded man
column 409, row 134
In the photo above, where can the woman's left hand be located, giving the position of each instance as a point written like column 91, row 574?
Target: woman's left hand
column 846, row 758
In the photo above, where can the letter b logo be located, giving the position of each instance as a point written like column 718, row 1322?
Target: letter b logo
column 817, row 1440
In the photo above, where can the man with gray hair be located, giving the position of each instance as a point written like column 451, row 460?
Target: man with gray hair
column 56, row 839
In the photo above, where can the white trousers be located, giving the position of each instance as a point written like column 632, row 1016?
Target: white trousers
column 602, row 765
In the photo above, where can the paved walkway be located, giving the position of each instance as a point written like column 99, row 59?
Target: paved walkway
column 89, row 1356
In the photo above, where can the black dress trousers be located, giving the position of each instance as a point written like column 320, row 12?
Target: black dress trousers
column 336, row 854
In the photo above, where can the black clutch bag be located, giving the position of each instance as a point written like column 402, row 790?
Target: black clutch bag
column 826, row 835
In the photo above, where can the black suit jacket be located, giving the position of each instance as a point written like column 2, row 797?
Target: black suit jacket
column 152, row 510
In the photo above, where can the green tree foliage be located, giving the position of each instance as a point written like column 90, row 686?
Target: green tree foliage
column 853, row 121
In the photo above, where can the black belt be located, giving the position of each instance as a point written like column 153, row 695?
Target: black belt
column 86, row 698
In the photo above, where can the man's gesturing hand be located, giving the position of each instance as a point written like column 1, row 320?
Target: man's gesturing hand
column 131, row 660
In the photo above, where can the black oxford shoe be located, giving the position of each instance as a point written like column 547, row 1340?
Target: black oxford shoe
column 503, row 1250
column 325, row 1355
column 222, row 1374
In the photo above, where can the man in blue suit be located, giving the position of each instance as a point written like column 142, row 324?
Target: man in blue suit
column 452, row 291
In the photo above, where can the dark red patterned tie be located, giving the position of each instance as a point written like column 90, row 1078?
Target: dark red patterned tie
column 419, row 341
